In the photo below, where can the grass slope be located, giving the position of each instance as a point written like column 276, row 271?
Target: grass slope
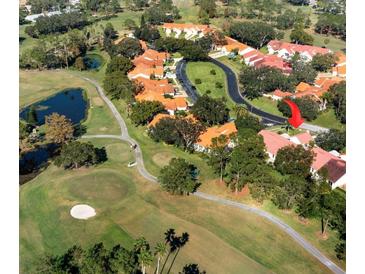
column 128, row 207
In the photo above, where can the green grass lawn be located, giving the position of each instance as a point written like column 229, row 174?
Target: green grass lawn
column 128, row 207
column 201, row 70
column 234, row 64
column 266, row 104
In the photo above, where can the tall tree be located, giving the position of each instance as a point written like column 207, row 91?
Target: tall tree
column 336, row 97
column 179, row 177
column 189, row 131
column 32, row 117
column 333, row 139
column 294, row 160
column 160, row 252
column 247, row 158
column 59, row 128
column 219, row 155
column 144, row 111
column 118, row 86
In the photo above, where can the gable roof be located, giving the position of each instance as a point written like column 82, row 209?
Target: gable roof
column 326, row 82
column 335, row 166
column 274, row 141
column 281, row 94
column 303, row 138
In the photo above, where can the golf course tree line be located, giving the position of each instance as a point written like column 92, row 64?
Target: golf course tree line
column 142, row 258
column 53, row 52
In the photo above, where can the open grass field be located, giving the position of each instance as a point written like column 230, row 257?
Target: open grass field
column 201, row 70
column 128, row 207
column 37, row 85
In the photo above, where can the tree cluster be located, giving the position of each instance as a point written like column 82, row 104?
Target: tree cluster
column 270, row 80
column 308, row 107
column 179, row 177
column 254, row 34
column 57, row 24
column 333, row 139
column 210, row 111
column 336, row 97
column 76, row 154
column 118, row 259
column 182, row 132
column 334, row 24
column 323, row 62
column 54, row 51
column 143, row 112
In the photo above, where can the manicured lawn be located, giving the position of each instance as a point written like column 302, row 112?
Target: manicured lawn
column 266, row 104
column 328, row 119
column 128, row 207
column 235, row 65
column 201, row 70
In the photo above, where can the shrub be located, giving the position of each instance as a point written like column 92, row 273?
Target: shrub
column 218, row 85
column 213, row 72
column 198, row 81
column 208, row 91
column 79, row 63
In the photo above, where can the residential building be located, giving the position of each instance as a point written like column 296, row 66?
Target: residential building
column 335, row 166
column 339, row 69
column 189, row 30
column 278, row 95
column 205, row 139
column 287, row 50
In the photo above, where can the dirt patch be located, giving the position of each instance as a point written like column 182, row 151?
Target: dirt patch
column 321, row 236
column 162, row 158
column 97, row 101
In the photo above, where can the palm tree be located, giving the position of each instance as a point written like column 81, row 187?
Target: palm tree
column 169, row 239
column 145, row 258
column 180, row 242
column 160, row 251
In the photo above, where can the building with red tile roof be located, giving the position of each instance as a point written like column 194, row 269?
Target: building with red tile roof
column 171, row 104
column 277, row 94
column 158, row 118
column 335, row 166
column 190, row 30
column 146, row 72
column 161, row 86
column 273, row 142
column 205, row 139
column 302, row 138
column 274, row 61
column 326, row 82
column 287, row 50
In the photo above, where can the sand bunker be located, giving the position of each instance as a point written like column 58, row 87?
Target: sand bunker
column 82, row 212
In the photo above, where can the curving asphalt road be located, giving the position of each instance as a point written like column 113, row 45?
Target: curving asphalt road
column 235, row 94
column 124, row 136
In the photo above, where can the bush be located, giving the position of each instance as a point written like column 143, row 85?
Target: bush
column 218, row 85
column 208, row 91
column 80, row 64
column 198, row 81
column 213, row 72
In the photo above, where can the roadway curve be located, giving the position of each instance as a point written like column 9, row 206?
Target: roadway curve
column 235, row 94
column 124, row 136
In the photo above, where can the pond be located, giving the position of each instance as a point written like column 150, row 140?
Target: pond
column 70, row 102
column 32, row 162
column 93, row 61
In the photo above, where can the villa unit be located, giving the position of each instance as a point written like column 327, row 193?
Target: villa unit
column 339, row 69
column 334, row 164
column 205, row 139
column 287, row 50
column 189, row 30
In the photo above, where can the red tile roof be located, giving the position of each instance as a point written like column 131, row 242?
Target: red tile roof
column 335, row 166
column 205, row 139
column 304, row 138
column 274, row 141
column 293, row 48
column 281, row 94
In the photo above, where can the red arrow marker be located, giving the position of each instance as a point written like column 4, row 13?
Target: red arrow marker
column 296, row 118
